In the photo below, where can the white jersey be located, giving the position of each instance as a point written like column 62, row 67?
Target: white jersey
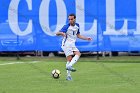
column 71, row 34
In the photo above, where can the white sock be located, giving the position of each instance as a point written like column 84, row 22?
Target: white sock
column 68, row 72
column 74, row 60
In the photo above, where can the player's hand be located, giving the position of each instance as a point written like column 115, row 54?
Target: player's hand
column 61, row 33
column 89, row 38
column 64, row 34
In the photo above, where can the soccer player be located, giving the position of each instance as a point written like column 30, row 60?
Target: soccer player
column 70, row 32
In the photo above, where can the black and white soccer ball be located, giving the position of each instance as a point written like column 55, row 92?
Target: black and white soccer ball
column 56, row 73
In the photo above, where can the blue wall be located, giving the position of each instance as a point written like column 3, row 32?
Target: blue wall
column 114, row 25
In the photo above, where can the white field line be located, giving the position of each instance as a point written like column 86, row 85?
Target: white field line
column 10, row 63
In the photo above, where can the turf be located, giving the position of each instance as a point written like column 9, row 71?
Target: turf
column 107, row 75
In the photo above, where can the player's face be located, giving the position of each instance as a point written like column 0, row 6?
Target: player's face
column 71, row 20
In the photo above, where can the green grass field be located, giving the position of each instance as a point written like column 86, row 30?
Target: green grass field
column 107, row 75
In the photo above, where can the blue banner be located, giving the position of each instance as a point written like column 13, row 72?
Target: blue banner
column 25, row 25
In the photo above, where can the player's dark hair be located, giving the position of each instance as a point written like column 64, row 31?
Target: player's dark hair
column 72, row 15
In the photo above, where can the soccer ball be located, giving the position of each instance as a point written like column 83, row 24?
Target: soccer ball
column 56, row 73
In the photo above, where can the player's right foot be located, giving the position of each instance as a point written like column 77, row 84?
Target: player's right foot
column 69, row 78
column 70, row 68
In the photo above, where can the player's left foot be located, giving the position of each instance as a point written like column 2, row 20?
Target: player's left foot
column 69, row 78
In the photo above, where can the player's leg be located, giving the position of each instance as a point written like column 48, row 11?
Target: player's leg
column 68, row 66
column 75, row 58
column 68, row 54
column 77, row 54
column 69, row 58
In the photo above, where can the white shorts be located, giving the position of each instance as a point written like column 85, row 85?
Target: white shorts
column 69, row 50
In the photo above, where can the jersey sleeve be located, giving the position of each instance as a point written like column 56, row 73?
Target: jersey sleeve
column 78, row 32
column 64, row 28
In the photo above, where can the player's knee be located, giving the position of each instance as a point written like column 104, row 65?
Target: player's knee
column 69, row 58
column 79, row 54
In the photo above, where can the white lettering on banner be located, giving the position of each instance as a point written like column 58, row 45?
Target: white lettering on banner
column 80, row 18
column 110, row 20
column 138, row 17
column 62, row 17
column 44, row 16
column 13, row 18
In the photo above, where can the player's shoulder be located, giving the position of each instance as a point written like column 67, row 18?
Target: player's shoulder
column 66, row 26
column 77, row 24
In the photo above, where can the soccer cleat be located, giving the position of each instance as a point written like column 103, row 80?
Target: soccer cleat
column 69, row 78
column 70, row 68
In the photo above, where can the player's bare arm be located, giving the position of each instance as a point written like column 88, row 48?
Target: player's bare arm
column 61, row 33
column 83, row 37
